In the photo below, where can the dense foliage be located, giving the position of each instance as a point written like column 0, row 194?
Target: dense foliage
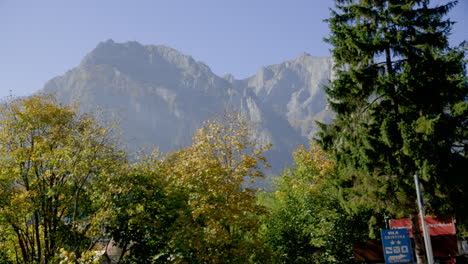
column 190, row 206
column 51, row 159
column 69, row 195
column 142, row 213
column 306, row 223
column 400, row 97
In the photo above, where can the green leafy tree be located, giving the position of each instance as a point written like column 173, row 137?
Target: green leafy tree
column 50, row 161
column 144, row 212
column 400, row 97
column 306, row 223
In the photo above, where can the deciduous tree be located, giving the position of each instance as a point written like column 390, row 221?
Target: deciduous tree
column 50, row 160
column 145, row 211
column 223, row 222
column 193, row 205
column 306, row 223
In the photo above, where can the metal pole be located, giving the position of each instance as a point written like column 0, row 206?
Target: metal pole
column 427, row 238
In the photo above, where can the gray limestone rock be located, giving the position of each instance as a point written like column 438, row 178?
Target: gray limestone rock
column 162, row 96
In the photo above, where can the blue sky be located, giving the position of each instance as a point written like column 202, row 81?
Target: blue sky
column 44, row 39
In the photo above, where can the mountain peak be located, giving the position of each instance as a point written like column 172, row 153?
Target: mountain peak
column 107, row 42
column 304, row 57
column 144, row 62
column 164, row 95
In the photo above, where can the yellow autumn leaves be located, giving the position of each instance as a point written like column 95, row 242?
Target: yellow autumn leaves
column 51, row 159
column 67, row 192
column 213, row 171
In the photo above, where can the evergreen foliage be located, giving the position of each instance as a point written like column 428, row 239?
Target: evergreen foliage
column 400, row 98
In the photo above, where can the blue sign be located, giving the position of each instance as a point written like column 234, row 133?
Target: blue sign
column 397, row 246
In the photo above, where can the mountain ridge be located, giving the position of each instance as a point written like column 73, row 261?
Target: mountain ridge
column 163, row 95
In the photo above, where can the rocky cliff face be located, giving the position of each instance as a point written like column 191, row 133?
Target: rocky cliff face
column 294, row 90
column 162, row 96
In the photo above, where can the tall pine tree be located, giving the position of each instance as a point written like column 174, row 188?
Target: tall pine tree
column 400, row 95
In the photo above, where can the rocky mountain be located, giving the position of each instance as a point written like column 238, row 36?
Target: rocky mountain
column 162, row 96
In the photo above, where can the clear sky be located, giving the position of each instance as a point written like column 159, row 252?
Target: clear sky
column 43, row 39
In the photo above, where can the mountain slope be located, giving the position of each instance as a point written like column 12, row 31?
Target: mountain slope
column 162, row 96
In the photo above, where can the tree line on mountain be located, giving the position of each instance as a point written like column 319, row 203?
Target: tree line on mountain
column 67, row 192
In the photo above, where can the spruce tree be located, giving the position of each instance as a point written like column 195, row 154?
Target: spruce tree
column 400, row 100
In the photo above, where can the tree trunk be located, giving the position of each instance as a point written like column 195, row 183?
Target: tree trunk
column 419, row 248
column 24, row 251
column 38, row 236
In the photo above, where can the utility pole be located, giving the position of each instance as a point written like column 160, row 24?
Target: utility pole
column 427, row 237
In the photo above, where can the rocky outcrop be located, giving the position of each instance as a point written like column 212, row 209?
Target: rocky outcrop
column 161, row 96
